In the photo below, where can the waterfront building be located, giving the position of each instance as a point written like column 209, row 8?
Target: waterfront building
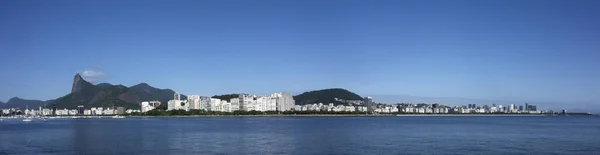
column 46, row 112
column 297, row 107
column 80, row 110
column 533, row 108
column 62, row 112
column 511, row 107
column 225, row 106
column 204, row 103
column 352, row 109
column 521, row 108
column 87, row 112
column 285, row 101
column 246, row 102
column 129, row 111
column 177, row 104
column 369, row 104
column 194, row 102
column 215, row 105
column 108, row 111
column 73, row 112
column 235, row 104
column 149, row 105
column 120, row 110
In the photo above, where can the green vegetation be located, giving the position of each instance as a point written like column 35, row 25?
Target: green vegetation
column 326, row 96
column 226, row 97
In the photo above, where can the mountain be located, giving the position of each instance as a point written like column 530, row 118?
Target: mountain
column 16, row 102
column 325, row 96
column 144, row 92
column 103, row 85
column 80, row 85
column 226, row 97
column 108, row 95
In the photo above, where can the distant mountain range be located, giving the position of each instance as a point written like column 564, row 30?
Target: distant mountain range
column 100, row 95
column 20, row 103
column 108, row 95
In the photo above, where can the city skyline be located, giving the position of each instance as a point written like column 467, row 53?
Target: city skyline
column 538, row 52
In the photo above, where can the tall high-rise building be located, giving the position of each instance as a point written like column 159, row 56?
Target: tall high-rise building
column 215, row 105
column 53, row 109
column 176, row 96
column 521, row 108
column 246, row 102
column 194, row 102
column 285, row 101
column 235, row 104
column 369, row 103
column 80, row 110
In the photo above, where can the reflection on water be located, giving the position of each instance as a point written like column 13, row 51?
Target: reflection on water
column 304, row 135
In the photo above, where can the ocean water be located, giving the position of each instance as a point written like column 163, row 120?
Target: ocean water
column 305, row 135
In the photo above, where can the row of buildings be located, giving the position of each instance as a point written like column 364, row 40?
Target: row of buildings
column 94, row 111
column 282, row 102
column 244, row 102
column 413, row 109
column 347, row 108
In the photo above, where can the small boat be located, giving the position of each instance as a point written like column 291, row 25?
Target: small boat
column 117, row 116
column 27, row 120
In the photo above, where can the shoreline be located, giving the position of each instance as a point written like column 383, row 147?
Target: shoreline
column 342, row 115
column 315, row 115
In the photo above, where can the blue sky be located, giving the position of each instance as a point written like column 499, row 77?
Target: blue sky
column 529, row 50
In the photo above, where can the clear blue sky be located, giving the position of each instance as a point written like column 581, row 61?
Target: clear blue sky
column 530, row 50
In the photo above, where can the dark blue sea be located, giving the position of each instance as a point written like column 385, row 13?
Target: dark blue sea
column 305, row 135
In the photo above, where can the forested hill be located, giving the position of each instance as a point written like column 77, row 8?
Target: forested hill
column 326, row 96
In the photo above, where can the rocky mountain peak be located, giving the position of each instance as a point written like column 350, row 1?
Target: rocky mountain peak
column 79, row 84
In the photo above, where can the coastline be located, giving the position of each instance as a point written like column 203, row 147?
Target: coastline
column 342, row 115
column 311, row 115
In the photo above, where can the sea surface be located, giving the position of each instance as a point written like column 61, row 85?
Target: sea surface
column 478, row 135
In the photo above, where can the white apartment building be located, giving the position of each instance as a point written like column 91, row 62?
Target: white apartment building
column 87, row 112
column 204, row 103
column 298, row 108
column 215, row 105
column 108, row 111
column 247, row 102
column 177, row 104
column 235, row 104
column 149, row 105
column 266, row 103
column 225, row 106
column 285, row 101
column 194, row 102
